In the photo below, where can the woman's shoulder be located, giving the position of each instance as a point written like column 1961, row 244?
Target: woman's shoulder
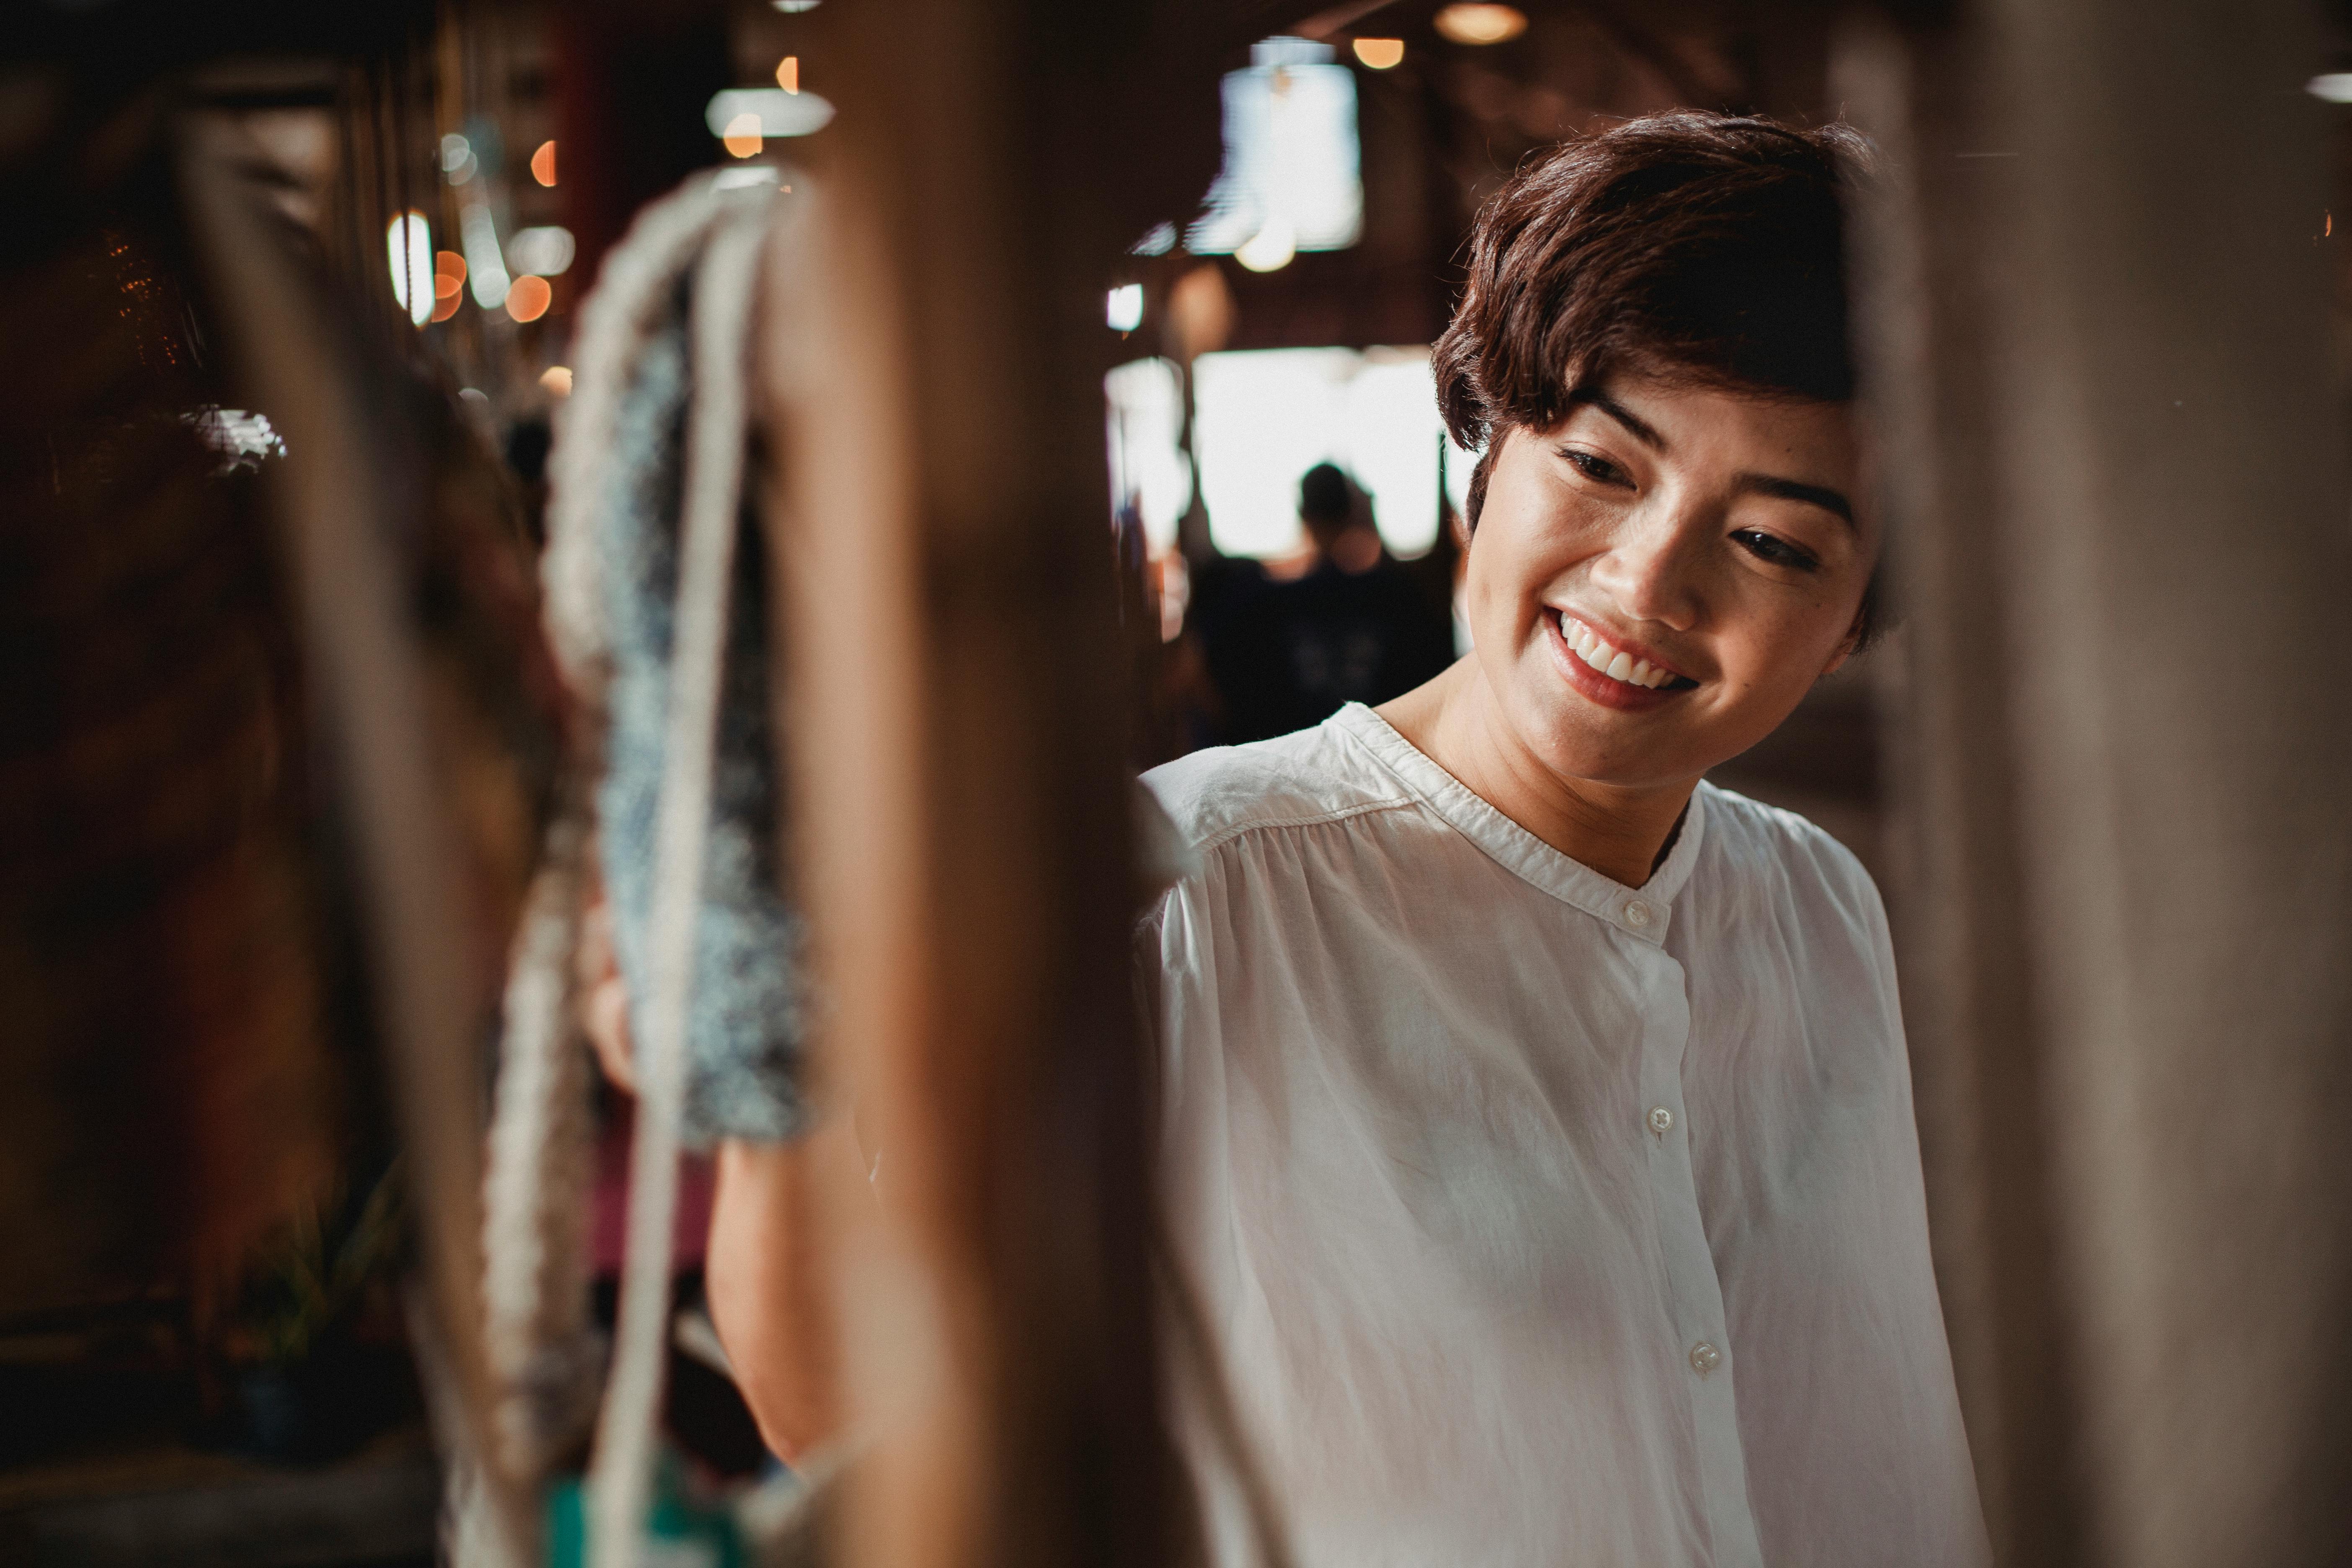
column 1747, row 839
column 1220, row 795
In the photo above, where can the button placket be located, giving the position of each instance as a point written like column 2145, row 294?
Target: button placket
column 1693, row 1304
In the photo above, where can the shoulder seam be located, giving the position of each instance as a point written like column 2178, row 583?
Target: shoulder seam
column 1362, row 809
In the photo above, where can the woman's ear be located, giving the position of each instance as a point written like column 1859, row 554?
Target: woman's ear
column 1851, row 644
column 1865, row 619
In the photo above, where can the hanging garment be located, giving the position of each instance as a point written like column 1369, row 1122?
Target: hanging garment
column 618, row 474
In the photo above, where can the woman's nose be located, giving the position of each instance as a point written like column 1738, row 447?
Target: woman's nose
column 1649, row 571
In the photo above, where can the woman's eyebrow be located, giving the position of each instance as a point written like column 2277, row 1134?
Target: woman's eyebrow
column 1821, row 496
column 1635, row 426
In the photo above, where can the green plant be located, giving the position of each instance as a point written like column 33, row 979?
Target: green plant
column 306, row 1283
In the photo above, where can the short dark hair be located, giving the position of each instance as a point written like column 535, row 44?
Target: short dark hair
column 1703, row 248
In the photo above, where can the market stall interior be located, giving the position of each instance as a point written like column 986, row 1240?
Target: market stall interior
column 501, row 497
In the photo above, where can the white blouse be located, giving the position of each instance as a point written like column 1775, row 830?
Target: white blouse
column 1537, row 1219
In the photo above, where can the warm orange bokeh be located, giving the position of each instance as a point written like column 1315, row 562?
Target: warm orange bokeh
column 743, row 137
column 528, row 298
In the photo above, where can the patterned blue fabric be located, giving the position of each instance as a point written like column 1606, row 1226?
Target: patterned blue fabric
column 747, row 1026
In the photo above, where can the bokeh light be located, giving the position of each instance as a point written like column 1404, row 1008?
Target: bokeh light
column 543, row 165
column 528, row 298
column 547, row 249
column 788, row 73
column 1269, row 250
column 458, row 163
column 1479, row 25
column 557, row 379
column 742, row 136
column 408, row 243
column 484, row 265
column 1379, row 54
column 772, row 110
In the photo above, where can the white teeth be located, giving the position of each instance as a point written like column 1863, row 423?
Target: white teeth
column 1615, row 663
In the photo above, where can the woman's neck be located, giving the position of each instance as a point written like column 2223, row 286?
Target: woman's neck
column 1621, row 832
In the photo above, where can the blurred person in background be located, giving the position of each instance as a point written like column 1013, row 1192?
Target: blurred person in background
column 1356, row 627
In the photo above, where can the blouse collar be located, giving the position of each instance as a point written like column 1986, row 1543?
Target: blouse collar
column 1643, row 912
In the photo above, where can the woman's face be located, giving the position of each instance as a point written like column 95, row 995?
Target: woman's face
column 1655, row 582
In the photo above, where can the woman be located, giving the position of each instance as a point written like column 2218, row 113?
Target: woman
column 1537, row 1121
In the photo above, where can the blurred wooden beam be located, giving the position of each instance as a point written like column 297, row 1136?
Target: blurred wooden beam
column 958, row 730
column 2115, row 458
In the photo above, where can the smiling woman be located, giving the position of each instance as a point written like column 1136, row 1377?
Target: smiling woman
column 1653, row 351
column 1538, row 1130
column 1655, row 581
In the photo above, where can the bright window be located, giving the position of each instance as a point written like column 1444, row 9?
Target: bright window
column 1263, row 417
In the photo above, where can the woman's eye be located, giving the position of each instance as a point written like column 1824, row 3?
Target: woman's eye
column 1600, row 469
column 1775, row 551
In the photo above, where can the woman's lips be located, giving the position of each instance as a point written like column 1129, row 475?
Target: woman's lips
column 1610, row 675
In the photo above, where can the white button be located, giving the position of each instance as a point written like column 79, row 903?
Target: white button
column 1662, row 1120
column 1637, row 913
column 1704, row 1358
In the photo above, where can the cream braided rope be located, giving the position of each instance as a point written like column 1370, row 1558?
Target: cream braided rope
column 535, row 1278
column 621, row 1476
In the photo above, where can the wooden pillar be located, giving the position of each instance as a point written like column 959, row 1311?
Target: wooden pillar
column 2114, row 455
column 958, row 735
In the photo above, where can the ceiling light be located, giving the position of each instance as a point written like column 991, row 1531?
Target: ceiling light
column 1476, row 25
column 1291, row 177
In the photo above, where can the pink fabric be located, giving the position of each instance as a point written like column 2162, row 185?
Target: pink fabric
column 695, row 1181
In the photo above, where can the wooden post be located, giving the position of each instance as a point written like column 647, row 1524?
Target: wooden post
column 956, row 729
column 2114, row 459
